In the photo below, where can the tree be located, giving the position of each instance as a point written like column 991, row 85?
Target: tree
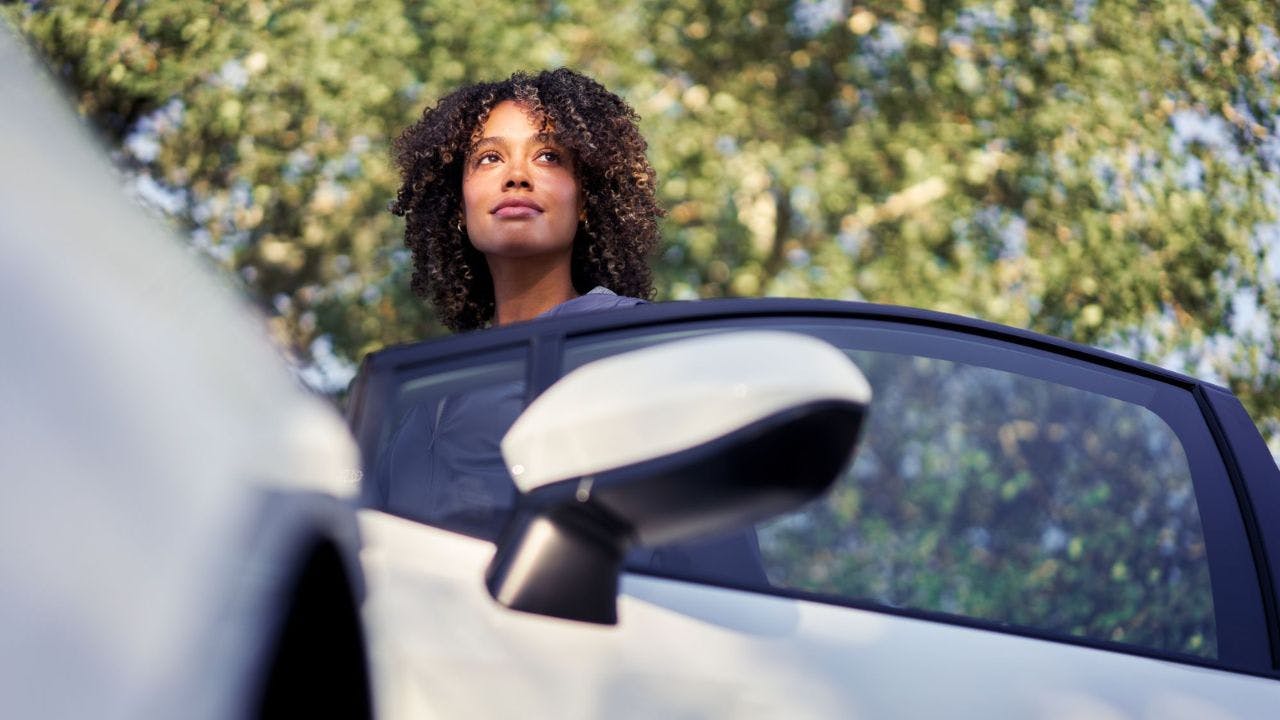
column 1103, row 172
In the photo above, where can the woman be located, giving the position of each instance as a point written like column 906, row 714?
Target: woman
column 527, row 197
column 519, row 197
column 522, row 198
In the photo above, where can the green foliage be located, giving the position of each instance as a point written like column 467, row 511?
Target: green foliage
column 1105, row 172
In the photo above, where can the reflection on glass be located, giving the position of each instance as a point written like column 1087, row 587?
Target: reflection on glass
column 997, row 496
column 442, row 462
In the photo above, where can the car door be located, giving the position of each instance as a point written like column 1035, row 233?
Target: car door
column 1029, row 530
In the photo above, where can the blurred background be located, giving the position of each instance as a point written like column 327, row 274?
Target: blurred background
column 1102, row 171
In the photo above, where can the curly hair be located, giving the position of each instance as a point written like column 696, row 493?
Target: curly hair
column 612, row 244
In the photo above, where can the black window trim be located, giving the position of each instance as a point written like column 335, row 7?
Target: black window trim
column 1255, row 483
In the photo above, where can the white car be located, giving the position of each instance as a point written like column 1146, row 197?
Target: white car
column 643, row 513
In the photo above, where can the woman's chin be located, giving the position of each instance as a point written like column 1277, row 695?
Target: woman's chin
column 524, row 248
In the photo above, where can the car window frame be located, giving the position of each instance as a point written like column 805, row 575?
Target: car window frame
column 1228, row 552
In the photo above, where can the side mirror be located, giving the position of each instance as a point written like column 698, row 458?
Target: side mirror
column 669, row 443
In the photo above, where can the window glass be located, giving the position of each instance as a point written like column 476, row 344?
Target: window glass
column 982, row 493
column 438, row 457
column 999, row 483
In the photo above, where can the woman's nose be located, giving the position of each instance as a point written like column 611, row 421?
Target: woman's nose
column 517, row 176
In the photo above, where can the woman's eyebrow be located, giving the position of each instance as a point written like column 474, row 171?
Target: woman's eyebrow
column 484, row 142
column 542, row 138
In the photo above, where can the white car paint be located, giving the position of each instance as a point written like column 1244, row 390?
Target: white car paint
column 144, row 421
column 684, row 650
column 661, row 400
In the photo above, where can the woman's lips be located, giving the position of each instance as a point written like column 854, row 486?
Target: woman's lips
column 516, row 211
column 517, row 208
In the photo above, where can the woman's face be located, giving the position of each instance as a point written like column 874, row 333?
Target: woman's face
column 520, row 195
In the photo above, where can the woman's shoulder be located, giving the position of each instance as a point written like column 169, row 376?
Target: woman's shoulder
column 599, row 298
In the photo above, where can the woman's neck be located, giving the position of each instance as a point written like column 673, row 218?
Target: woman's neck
column 524, row 288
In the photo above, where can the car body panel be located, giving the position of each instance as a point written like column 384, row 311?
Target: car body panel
column 684, row 649
column 164, row 471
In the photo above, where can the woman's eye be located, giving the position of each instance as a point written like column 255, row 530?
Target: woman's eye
column 549, row 156
column 487, row 158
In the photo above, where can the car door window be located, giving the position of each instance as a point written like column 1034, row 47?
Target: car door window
column 438, row 458
column 997, row 496
column 1001, row 484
